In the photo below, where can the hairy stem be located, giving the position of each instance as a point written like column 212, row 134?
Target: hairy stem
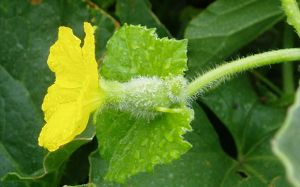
column 226, row 70
column 292, row 12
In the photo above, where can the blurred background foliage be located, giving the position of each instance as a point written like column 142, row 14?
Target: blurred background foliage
column 233, row 124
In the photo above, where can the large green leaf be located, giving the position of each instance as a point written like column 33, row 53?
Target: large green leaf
column 138, row 12
column 224, row 27
column 286, row 142
column 135, row 51
column 104, row 3
column 25, row 43
column 20, row 125
column 252, row 125
column 27, row 32
column 18, row 151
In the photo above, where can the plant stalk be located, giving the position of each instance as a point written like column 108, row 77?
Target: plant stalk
column 267, row 82
column 203, row 82
column 287, row 68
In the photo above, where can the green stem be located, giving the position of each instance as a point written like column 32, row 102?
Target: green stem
column 287, row 68
column 267, row 82
column 292, row 12
column 205, row 81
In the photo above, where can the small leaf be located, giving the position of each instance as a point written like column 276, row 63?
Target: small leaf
column 136, row 145
column 286, row 142
column 135, row 51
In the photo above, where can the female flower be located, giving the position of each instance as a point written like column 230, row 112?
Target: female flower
column 75, row 93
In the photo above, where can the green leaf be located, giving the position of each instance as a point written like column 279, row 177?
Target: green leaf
column 286, row 142
column 53, row 160
column 252, row 126
column 135, row 145
column 104, row 3
column 17, row 151
column 138, row 12
column 135, row 51
column 21, row 157
column 224, row 27
column 25, row 47
column 205, row 163
column 98, row 170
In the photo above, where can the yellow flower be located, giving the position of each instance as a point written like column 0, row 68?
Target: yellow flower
column 75, row 93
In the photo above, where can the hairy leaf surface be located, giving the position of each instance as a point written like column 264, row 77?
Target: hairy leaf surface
column 135, row 51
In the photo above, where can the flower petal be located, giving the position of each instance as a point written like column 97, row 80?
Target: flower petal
column 67, row 122
column 75, row 93
column 65, row 59
column 88, row 51
column 57, row 96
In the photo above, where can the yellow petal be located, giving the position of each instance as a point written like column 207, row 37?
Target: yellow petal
column 88, row 51
column 75, row 93
column 65, row 59
column 67, row 122
column 57, row 96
